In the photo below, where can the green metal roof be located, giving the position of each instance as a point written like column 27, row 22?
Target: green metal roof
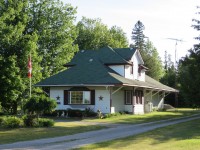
column 88, row 68
column 89, row 71
column 126, row 53
column 106, row 55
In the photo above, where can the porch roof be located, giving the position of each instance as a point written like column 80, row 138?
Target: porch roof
column 149, row 83
column 99, row 75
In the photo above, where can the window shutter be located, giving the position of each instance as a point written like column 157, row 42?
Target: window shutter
column 92, row 97
column 66, row 97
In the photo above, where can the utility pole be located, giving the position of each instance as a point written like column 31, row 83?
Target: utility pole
column 175, row 66
column 175, row 52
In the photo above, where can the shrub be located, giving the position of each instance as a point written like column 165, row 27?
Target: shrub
column 30, row 120
column 12, row 122
column 1, row 121
column 51, row 114
column 124, row 112
column 43, row 122
column 2, row 114
column 75, row 113
column 107, row 115
column 116, row 114
column 40, row 104
column 89, row 113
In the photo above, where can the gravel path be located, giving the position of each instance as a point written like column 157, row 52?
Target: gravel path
column 81, row 139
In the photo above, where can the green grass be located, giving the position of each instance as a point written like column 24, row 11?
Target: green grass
column 183, row 136
column 153, row 116
column 60, row 129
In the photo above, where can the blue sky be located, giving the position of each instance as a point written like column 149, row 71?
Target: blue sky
column 162, row 19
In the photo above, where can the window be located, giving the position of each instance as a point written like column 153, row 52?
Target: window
column 138, row 96
column 128, row 97
column 131, row 69
column 80, row 97
column 139, row 70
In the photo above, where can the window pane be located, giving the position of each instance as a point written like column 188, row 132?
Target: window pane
column 76, row 97
column 86, row 99
column 141, row 97
column 80, row 97
column 128, row 97
column 136, row 95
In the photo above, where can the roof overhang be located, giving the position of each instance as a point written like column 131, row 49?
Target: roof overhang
column 144, row 67
column 128, row 63
column 70, row 85
column 99, row 85
column 150, row 87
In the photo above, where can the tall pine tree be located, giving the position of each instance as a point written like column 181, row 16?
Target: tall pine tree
column 148, row 51
column 189, row 70
column 138, row 36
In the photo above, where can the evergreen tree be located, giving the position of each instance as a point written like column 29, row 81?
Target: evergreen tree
column 148, row 52
column 152, row 61
column 169, row 79
column 189, row 70
column 138, row 36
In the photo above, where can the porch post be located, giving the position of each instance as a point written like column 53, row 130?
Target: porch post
column 143, row 98
column 133, row 100
column 110, row 99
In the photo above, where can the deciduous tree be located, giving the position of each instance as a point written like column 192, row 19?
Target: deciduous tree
column 41, row 28
column 93, row 34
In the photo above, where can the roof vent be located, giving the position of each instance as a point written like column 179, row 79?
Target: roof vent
column 90, row 60
column 82, row 51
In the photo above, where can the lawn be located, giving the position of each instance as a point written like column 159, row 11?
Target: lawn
column 183, row 136
column 63, row 128
column 153, row 116
column 60, row 129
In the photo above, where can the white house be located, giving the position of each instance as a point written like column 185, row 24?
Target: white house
column 109, row 80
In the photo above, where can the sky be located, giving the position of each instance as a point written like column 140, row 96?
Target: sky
column 162, row 19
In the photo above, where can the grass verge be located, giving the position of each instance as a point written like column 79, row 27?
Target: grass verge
column 183, row 136
column 60, row 129
column 150, row 117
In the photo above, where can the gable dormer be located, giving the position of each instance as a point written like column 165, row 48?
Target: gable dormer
column 135, row 70
column 138, row 70
column 126, row 62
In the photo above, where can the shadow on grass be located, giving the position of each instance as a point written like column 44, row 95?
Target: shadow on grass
column 25, row 134
column 154, row 139
column 151, row 117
